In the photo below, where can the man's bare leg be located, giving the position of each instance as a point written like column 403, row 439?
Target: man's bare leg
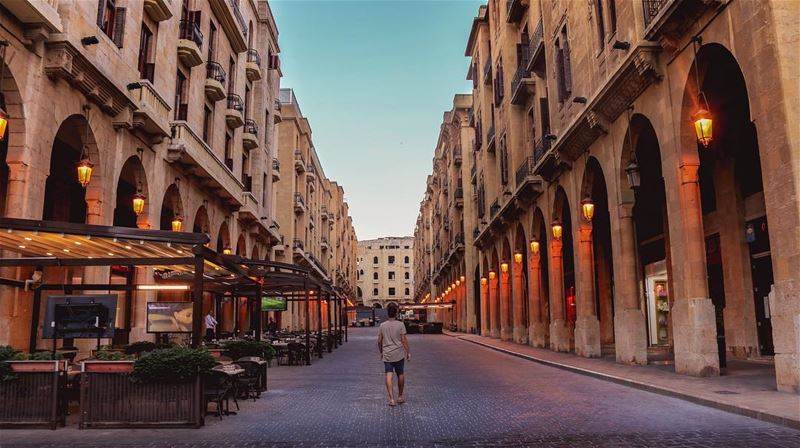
column 389, row 388
column 401, row 385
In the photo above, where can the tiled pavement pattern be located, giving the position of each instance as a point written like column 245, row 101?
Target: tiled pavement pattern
column 459, row 395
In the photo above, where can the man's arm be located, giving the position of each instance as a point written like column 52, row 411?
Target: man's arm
column 380, row 343
column 404, row 341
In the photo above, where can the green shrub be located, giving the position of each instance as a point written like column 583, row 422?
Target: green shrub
column 240, row 349
column 107, row 355
column 171, row 365
column 140, row 347
column 8, row 353
column 44, row 356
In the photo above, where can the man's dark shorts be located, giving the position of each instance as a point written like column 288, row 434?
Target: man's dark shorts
column 396, row 366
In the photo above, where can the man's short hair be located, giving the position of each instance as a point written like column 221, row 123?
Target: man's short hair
column 392, row 310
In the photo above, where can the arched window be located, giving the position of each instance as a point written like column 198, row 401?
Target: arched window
column 374, row 260
column 408, row 275
column 406, row 259
column 407, row 292
column 374, row 275
column 375, row 292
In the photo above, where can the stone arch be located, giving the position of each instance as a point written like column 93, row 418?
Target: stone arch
column 519, row 285
column 540, row 337
column 12, row 143
column 64, row 198
column 201, row 222
column 241, row 245
column 132, row 180
column 254, row 253
column 223, row 238
column 171, row 207
column 565, row 293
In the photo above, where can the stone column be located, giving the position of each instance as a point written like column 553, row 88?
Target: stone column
column 485, row 307
column 587, row 327
column 520, row 332
column 693, row 319
column 506, row 332
column 630, row 334
column 493, row 302
column 559, row 332
column 536, row 329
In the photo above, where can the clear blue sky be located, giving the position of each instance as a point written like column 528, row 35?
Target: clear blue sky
column 373, row 78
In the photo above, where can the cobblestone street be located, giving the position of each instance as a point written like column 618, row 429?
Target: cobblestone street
column 459, row 394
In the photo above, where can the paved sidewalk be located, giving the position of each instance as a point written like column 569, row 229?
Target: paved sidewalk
column 745, row 393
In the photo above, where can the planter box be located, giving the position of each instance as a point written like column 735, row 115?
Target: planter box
column 107, row 366
column 216, row 352
column 32, row 399
column 110, row 400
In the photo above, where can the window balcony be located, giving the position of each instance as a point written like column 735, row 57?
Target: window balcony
column 250, row 134
column 490, row 139
column 536, row 62
column 190, row 41
column 215, row 80
column 665, row 21
column 516, row 9
column 277, row 115
column 459, row 197
column 311, row 174
column 523, row 83
column 158, row 10
column 234, row 111
column 151, row 116
column 35, row 13
column 529, row 185
column 324, row 243
column 473, row 173
column 298, row 246
column 494, row 209
column 457, row 159
column 487, row 71
column 190, row 154
column 299, row 203
column 252, row 67
column 232, row 23
column 299, row 162
column 276, row 170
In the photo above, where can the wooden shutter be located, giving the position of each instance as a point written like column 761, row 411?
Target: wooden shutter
column 567, row 70
column 101, row 4
column 119, row 26
column 559, row 74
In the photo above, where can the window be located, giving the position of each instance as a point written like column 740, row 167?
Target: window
column 231, row 75
column 600, row 22
column 391, row 275
column 375, row 292
column 406, row 247
column 407, row 292
column 181, row 97
column 111, row 20
column 146, row 68
column 374, row 260
column 264, row 189
column 503, row 162
column 563, row 66
column 212, row 40
column 229, row 150
column 391, row 259
column 498, row 83
column 374, row 275
column 208, row 120
column 406, row 259
column 612, row 15
column 408, row 275
column 391, row 292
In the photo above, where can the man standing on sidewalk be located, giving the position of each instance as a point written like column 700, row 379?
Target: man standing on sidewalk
column 393, row 345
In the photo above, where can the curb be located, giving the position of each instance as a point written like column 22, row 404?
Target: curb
column 747, row 412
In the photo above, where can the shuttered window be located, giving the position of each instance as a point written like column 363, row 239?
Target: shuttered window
column 111, row 20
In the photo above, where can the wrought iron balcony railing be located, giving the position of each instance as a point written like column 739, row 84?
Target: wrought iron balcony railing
column 190, row 30
column 540, row 149
column 215, row 71
column 525, row 170
column 235, row 102
column 651, row 9
column 253, row 56
column 250, row 126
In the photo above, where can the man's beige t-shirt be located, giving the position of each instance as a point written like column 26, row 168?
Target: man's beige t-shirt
column 392, row 331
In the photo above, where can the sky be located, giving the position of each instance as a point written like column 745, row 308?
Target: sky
column 374, row 77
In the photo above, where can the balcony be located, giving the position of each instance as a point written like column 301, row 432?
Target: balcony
column 234, row 111
column 487, row 71
column 324, row 243
column 247, row 181
column 190, row 41
column 490, row 139
column 278, row 117
column 252, row 67
column 34, row 14
column 158, row 10
column 536, row 61
column 493, row 209
column 457, row 159
column 515, row 8
column 459, row 197
column 215, row 80
column 299, row 162
column 250, row 134
column 232, row 22
column 299, row 203
column 522, row 85
column 276, row 170
column 193, row 156
column 151, row 116
column 298, row 246
column 311, row 174
column 250, row 212
column 311, row 223
column 473, row 173
column 529, row 185
column 324, row 213
column 667, row 21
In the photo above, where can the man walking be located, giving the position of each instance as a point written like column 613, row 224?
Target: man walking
column 211, row 327
column 393, row 345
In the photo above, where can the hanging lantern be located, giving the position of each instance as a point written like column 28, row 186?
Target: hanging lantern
column 85, row 172
column 504, row 267
column 633, row 174
column 535, row 247
column 458, row 282
column 557, row 229
column 484, row 281
column 138, row 203
column 518, row 257
column 227, row 251
column 177, row 224
column 587, row 207
column 463, row 279
column 702, row 127
column 3, row 123
column 492, row 275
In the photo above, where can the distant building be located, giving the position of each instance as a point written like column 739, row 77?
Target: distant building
column 385, row 273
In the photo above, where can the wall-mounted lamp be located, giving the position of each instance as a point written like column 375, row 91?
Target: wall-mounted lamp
column 580, row 100
column 557, row 229
column 89, row 40
column 550, row 136
column 621, row 45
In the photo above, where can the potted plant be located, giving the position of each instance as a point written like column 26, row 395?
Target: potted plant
column 241, row 349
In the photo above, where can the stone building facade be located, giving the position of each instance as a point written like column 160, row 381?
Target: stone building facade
column 385, row 271
column 174, row 101
column 608, row 220
column 315, row 227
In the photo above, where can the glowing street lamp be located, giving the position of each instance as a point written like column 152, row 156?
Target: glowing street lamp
column 492, row 275
column 587, row 207
column 177, row 224
column 703, row 125
column 138, row 203
column 484, row 281
column 535, row 246
column 557, row 229
column 227, row 251
column 504, row 267
column 463, row 279
column 518, row 257
column 85, row 168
